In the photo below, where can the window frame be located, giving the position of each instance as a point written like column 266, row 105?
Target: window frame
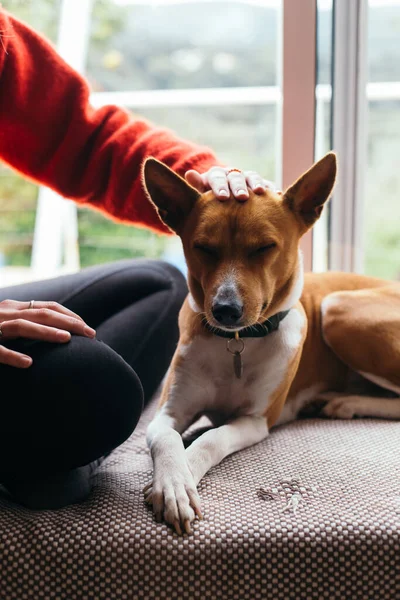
column 298, row 86
column 349, row 122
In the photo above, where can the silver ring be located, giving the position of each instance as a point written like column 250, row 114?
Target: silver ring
column 229, row 342
column 31, row 303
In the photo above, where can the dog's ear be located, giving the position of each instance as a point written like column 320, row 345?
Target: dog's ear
column 173, row 197
column 306, row 197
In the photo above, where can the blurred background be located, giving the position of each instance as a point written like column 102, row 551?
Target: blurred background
column 211, row 71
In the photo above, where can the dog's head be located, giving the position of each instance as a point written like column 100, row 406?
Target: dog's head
column 242, row 257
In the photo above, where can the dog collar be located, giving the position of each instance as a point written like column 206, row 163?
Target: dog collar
column 255, row 331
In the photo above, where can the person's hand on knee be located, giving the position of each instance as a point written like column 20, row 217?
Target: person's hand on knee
column 44, row 321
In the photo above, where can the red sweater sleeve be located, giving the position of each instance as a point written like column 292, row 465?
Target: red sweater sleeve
column 50, row 133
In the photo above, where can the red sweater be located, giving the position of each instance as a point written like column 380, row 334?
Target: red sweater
column 51, row 134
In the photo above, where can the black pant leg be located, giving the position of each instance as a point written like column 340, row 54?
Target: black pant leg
column 75, row 403
column 146, row 332
column 47, row 449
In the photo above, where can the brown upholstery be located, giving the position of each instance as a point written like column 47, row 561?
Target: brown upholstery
column 326, row 525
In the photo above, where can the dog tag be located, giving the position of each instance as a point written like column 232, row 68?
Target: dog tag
column 238, row 365
column 237, row 354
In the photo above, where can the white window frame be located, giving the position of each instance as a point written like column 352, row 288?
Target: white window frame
column 298, row 83
column 350, row 102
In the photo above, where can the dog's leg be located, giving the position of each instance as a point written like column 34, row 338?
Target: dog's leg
column 214, row 445
column 346, row 406
column 172, row 492
column 362, row 327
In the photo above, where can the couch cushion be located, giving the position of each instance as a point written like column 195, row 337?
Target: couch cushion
column 312, row 512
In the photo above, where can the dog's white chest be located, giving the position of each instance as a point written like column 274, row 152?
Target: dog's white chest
column 208, row 377
column 211, row 366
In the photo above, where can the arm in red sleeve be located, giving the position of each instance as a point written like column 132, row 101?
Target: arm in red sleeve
column 50, row 133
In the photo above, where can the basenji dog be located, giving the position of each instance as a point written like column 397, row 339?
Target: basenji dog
column 259, row 341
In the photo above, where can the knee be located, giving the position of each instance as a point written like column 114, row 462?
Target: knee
column 88, row 400
column 173, row 279
column 107, row 392
column 111, row 378
column 171, row 290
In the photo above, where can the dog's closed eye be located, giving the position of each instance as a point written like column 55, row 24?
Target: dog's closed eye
column 208, row 250
column 263, row 249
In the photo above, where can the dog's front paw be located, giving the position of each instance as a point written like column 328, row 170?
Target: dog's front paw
column 174, row 497
column 342, row 407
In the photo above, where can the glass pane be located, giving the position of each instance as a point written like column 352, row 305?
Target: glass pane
column 42, row 15
column 17, row 209
column 382, row 191
column 142, row 45
column 138, row 45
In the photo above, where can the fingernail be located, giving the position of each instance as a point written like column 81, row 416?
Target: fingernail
column 187, row 527
column 26, row 361
column 178, row 528
column 63, row 335
column 223, row 193
column 242, row 192
column 89, row 331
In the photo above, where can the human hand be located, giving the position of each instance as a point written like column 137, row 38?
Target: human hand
column 223, row 181
column 46, row 321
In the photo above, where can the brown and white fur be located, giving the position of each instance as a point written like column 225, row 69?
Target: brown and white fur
column 339, row 325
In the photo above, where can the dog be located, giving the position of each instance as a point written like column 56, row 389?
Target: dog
column 259, row 340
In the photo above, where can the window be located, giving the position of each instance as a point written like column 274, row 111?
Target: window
column 168, row 62
column 364, row 235
column 381, row 211
column 231, row 74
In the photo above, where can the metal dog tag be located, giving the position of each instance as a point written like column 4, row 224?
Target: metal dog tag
column 238, row 365
column 237, row 354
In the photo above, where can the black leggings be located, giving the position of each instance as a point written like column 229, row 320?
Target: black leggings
column 78, row 401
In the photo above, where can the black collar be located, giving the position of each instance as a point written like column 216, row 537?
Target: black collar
column 258, row 330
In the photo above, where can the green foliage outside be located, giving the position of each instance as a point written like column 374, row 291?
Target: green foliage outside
column 188, row 46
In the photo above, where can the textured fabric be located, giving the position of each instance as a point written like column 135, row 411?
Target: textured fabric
column 51, row 133
column 311, row 513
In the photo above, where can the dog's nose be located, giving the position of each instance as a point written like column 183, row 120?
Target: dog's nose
column 227, row 313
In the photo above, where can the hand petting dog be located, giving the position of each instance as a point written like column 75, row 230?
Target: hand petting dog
column 224, row 181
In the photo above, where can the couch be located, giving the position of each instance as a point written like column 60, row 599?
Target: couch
column 311, row 512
